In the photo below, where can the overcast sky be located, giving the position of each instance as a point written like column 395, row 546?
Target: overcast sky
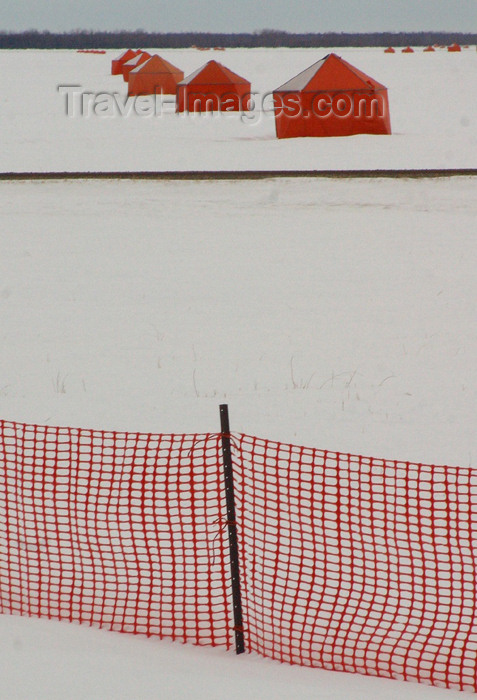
column 240, row 15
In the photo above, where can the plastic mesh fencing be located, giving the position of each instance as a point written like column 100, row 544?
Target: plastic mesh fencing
column 116, row 530
column 358, row 564
column 347, row 563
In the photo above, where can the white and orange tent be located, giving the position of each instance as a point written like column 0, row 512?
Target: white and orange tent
column 118, row 63
column 134, row 62
column 156, row 76
column 213, row 88
column 331, row 98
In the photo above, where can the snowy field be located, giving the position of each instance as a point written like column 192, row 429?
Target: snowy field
column 43, row 660
column 330, row 313
column 433, row 103
column 338, row 314
column 335, row 314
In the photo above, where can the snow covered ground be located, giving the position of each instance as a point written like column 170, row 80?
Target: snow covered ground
column 337, row 314
column 43, row 660
column 433, row 103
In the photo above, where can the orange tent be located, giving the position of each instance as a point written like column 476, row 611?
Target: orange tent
column 331, row 98
column 407, row 50
column 141, row 57
column 118, row 63
column 156, row 76
column 454, row 47
column 213, row 88
column 429, row 48
column 389, row 50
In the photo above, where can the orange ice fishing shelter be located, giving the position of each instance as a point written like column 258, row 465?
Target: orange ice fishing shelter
column 454, row 47
column 118, row 63
column 134, row 62
column 213, row 88
column 389, row 50
column 155, row 76
column 331, row 98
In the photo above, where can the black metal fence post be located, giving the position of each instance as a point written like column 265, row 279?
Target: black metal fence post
column 232, row 529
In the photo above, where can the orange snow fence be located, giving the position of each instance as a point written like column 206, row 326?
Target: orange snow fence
column 116, row 530
column 347, row 563
column 213, row 88
column 331, row 98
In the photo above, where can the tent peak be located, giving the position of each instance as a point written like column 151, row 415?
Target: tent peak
column 214, row 72
column 330, row 73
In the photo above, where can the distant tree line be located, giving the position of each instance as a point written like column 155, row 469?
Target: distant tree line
column 82, row 39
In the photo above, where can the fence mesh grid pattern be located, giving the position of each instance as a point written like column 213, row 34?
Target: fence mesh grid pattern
column 358, row 564
column 347, row 563
column 118, row 530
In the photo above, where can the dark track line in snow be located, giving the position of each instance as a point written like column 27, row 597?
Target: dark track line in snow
column 237, row 174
